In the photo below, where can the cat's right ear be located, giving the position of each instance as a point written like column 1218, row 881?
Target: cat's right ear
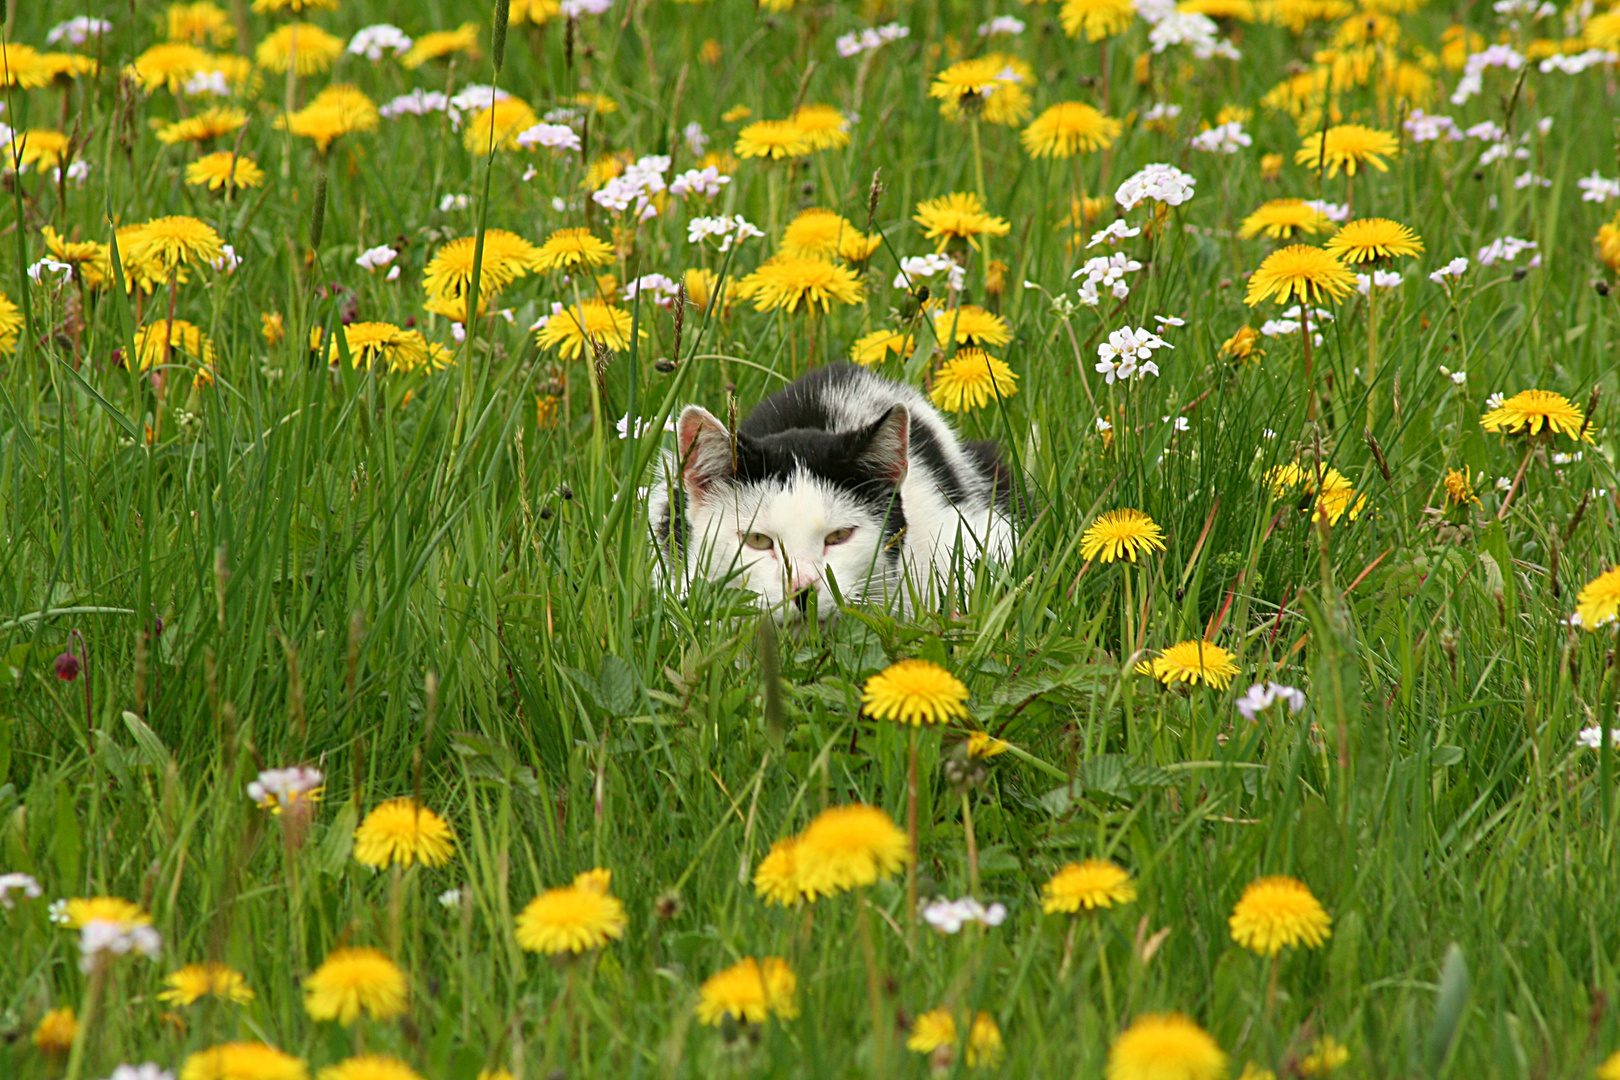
column 704, row 446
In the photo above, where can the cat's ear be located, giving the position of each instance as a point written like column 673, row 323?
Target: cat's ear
column 888, row 445
column 704, row 446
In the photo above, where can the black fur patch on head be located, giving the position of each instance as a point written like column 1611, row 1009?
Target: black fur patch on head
column 838, row 458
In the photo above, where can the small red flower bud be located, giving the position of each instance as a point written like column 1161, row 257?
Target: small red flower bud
column 67, row 667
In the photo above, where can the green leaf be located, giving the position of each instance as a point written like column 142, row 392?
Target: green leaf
column 617, row 686
column 106, row 406
column 1449, row 1005
column 147, row 741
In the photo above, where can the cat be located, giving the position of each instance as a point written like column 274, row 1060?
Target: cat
column 842, row 478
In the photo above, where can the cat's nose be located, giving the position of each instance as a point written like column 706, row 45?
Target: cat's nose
column 802, row 581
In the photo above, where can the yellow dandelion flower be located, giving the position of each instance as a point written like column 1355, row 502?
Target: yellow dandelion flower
column 972, row 379
column 772, row 140
column 823, row 127
column 200, row 24
column 1610, row 1068
column 242, row 1061
column 537, row 12
column 304, row 46
column 396, row 348
column 173, row 241
column 1097, row 19
column 1608, row 243
column 92, row 262
column 914, row 692
column 507, row 257
column 295, row 7
column 1093, row 884
column 338, row 110
column 499, row 126
column 11, row 325
column 1276, row 913
column 222, row 167
column 1271, row 166
column 56, row 1031
column 1601, row 31
column 1192, row 662
column 1301, row 272
column 1599, row 601
column 701, row 284
column 1236, row 10
column 166, row 342
column 1532, row 410
column 369, row 1067
column 80, row 911
column 847, row 847
column 1459, row 488
column 442, row 43
column 967, row 84
column 971, row 325
column 169, row 65
column 1373, row 239
column 1242, row 346
column 350, row 980
column 1001, row 99
column 1280, row 217
column 981, row 745
column 596, row 103
column 750, row 992
column 871, row 348
column 789, row 283
column 959, row 216
column 40, row 147
column 1348, row 147
column 1251, row 1071
column 776, row 881
column 194, row 982
column 931, row 1031
column 1165, row 1046
column 273, row 327
column 572, row 247
column 984, row 1042
column 819, row 233
column 208, row 124
column 736, row 113
column 1326, row 1055
column 400, row 831
column 572, row 919
column 1121, row 534
column 1069, row 128
column 22, row 65
column 576, row 331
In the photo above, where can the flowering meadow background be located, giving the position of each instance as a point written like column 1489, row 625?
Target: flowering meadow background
column 323, row 455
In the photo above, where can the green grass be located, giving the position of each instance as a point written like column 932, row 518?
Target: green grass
column 403, row 580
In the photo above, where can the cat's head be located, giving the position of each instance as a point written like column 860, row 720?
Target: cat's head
column 785, row 514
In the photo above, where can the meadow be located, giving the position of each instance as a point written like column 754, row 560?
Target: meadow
column 347, row 731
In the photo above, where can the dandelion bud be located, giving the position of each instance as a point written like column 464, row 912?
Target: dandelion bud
column 1602, row 287
column 67, row 667
column 664, row 365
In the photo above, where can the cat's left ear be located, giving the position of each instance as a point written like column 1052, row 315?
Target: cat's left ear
column 705, row 450
column 888, row 445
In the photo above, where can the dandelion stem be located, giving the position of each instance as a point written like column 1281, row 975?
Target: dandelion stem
column 911, row 832
column 1111, row 1018
column 1518, row 477
column 1372, row 352
column 874, row 990
column 972, row 845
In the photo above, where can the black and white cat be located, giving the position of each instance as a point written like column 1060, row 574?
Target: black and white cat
column 843, row 476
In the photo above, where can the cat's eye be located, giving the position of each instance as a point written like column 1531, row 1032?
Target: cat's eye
column 758, row 541
column 838, row 536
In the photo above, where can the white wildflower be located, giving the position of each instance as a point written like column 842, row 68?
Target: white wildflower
column 18, row 883
column 705, row 182
column 371, row 41
column 1262, row 696
column 551, row 136
column 1163, row 183
column 376, row 258
column 1226, row 138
